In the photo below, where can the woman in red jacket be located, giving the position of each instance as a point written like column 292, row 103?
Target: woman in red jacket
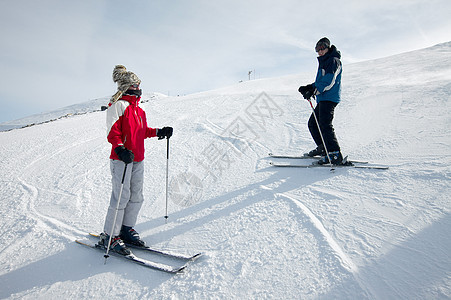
column 126, row 131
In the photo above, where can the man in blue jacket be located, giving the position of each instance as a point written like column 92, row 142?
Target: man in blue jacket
column 327, row 89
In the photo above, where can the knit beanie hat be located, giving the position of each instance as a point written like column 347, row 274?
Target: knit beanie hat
column 124, row 80
column 322, row 43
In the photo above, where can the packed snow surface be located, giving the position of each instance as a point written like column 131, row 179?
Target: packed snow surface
column 265, row 232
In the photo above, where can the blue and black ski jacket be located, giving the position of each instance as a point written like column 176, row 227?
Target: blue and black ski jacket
column 328, row 78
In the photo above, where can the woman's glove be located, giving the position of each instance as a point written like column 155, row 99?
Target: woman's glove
column 164, row 132
column 124, row 154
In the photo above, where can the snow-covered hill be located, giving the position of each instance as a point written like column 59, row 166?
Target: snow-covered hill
column 65, row 112
column 265, row 232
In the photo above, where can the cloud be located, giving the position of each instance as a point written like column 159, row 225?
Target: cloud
column 58, row 53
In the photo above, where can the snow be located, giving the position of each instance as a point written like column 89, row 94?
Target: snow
column 265, row 232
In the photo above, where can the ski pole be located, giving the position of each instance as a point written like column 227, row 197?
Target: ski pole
column 115, row 215
column 167, row 178
column 319, row 129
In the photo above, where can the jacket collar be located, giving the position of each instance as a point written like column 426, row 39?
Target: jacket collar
column 134, row 100
column 333, row 52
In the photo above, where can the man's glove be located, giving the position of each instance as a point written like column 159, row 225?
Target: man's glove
column 164, row 132
column 304, row 88
column 310, row 93
column 124, row 154
column 307, row 91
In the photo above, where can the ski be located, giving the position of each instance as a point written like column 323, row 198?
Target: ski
column 327, row 166
column 137, row 260
column 160, row 252
column 310, row 157
column 166, row 253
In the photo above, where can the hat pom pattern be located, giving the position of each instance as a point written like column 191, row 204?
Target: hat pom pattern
column 119, row 72
column 124, row 80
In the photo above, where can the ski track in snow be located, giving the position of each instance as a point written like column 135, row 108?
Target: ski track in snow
column 347, row 263
column 265, row 232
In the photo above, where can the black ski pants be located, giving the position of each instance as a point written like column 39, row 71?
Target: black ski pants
column 324, row 112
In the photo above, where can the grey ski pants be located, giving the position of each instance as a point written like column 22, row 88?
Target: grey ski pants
column 131, row 199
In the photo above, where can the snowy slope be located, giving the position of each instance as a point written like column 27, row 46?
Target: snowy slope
column 65, row 112
column 265, row 232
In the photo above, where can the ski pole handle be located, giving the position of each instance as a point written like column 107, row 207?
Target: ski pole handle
column 167, row 177
column 310, row 101
column 167, row 148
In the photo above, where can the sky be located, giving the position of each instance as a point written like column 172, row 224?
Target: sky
column 55, row 53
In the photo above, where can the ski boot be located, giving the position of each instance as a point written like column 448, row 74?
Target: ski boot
column 318, row 151
column 117, row 245
column 130, row 236
column 334, row 158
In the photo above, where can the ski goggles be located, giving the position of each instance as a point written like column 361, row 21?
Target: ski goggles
column 320, row 46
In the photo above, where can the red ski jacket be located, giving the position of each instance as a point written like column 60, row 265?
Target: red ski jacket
column 127, row 126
